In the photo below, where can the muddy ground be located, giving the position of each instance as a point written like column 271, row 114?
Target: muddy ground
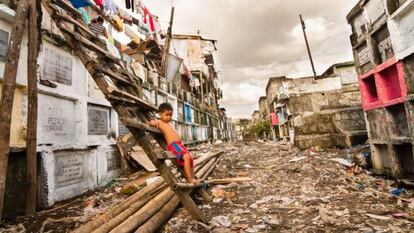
column 290, row 191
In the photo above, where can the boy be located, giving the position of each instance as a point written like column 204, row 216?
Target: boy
column 98, row 28
column 184, row 157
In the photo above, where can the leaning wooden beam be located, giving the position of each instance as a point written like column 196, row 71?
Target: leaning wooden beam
column 31, row 149
column 9, row 83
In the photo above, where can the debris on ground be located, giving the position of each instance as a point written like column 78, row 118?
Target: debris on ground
column 283, row 189
column 300, row 191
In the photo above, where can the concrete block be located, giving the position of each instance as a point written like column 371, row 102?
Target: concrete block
column 66, row 174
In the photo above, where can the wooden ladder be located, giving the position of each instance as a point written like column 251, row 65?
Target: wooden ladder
column 122, row 89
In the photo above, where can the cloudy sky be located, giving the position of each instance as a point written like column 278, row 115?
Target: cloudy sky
column 261, row 39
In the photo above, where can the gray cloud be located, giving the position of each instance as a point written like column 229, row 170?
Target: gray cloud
column 262, row 38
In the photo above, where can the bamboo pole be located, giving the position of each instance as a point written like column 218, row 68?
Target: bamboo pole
column 31, row 141
column 145, row 213
column 160, row 218
column 102, row 219
column 112, row 223
column 204, row 169
column 9, row 83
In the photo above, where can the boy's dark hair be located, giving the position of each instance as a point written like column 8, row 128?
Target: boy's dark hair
column 99, row 19
column 165, row 107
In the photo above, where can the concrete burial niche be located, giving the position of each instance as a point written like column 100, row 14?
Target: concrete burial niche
column 69, row 173
column 65, row 174
column 397, row 121
column 405, row 155
column 377, row 125
column 56, row 121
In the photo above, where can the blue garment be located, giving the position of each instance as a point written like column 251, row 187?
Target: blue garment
column 80, row 3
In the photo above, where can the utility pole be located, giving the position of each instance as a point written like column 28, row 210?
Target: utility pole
column 167, row 45
column 307, row 44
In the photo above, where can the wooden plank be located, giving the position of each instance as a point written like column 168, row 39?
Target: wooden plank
column 144, row 104
column 68, row 7
column 9, row 84
column 117, row 77
column 69, row 19
column 31, row 142
column 128, row 122
column 167, row 155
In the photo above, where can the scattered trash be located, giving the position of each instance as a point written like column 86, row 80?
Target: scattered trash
column 343, row 162
column 152, row 180
column 221, row 221
column 397, row 192
column 297, row 159
column 379, row 217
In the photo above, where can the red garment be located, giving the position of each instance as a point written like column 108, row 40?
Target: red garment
column 151, row 20
column 180, row 150
column 275, row 118
column 99, row 3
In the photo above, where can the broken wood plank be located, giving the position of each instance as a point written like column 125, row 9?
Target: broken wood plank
column 9, row 84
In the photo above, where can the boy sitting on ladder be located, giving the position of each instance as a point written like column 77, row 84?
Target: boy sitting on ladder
column 184, row 157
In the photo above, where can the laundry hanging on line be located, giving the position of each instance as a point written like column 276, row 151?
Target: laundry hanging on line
column 80, row 3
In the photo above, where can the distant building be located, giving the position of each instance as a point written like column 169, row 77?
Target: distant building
column 323, row 111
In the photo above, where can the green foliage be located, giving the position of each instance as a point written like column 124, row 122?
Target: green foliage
column 260, row 128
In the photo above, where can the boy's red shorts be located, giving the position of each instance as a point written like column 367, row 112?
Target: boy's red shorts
column 180, row 150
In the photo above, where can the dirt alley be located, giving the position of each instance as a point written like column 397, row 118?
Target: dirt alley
column 299, row 191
